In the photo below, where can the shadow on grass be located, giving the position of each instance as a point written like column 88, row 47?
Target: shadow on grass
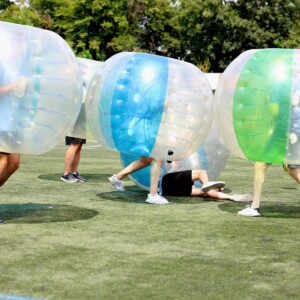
column 268, row 210
column 88, row 177
column 44, row 213
column 135, row 194
column 132, row 194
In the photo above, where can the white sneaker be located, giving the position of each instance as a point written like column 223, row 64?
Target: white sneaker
column 117, row 183
column 248, row 211
column 242, row 198
column 210, row 185
column 157, row 199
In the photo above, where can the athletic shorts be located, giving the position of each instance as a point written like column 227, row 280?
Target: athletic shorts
column 72, row 140
column 177, row 184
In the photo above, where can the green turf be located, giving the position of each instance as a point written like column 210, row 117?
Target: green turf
column 88, row 241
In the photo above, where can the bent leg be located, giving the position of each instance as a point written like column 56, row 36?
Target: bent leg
column 212, row 194
column 136, row 165
column 206, row 184
column 295, row 173
column 200, row 175
column 9, row 163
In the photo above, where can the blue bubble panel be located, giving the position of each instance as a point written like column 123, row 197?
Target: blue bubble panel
column 138, row 103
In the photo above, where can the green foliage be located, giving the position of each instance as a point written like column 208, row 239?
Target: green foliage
column 220, row 32
column 208, row 33
column 4, row 4
column 21, row 15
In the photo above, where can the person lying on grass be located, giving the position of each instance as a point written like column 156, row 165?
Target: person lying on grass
column 182, row 184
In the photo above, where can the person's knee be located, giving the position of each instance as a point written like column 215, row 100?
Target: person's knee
column 261, row 167
column 145, row 160
column 76, row 147
column 156, row 162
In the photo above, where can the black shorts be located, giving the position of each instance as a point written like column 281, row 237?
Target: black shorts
column 72, row 140
column 177, row 184
column 294, row 166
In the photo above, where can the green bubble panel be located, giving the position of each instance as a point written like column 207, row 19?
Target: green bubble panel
column 261, row 105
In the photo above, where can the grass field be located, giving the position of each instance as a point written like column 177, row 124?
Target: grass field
column 88, row 241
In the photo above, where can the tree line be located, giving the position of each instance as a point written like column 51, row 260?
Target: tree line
column 207, row 33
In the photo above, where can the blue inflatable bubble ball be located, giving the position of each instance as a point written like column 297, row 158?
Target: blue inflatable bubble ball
column 150, row 105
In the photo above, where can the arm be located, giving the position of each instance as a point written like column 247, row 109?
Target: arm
column 8, row 88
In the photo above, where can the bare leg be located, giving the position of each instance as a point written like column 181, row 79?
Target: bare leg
column 295, row 173
column 136, row 165
column 76, row 158
column 9, row 163
column 154, row 175
column 212, row 194
column 200, row 175
column 217, row 194
column 72, row 158
column 259, row 179
column 206, row 184
column 154, row 197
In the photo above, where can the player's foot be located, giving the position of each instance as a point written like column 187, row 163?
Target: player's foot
column 117, row 183
column 69, row 178
column 157, row 199
column 2, row 222
column 80, row 179
column 248, row 211
column 210, row 185
column 242, row 198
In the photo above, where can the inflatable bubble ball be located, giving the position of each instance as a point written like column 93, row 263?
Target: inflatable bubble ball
column 40, row 89
column 257, row 106
column 88, row 68
column 150, row 105
column 211, row 156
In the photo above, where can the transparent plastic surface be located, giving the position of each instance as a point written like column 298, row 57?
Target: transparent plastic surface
column 257, row 106
column 40, row 89
column 150, row 105
column 88, row 69
column 211, row 156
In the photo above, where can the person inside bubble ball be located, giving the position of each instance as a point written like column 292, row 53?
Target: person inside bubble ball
column 72, row 156
column 260, row 168
column 9, row 162
column 180, row 181
column 259, row 178
column 11, row 86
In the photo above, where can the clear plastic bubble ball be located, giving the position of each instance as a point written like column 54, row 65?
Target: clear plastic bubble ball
column 88, row 68
column 40, row 89
column 257, row 108
column 150, row 105
column 211, row 156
